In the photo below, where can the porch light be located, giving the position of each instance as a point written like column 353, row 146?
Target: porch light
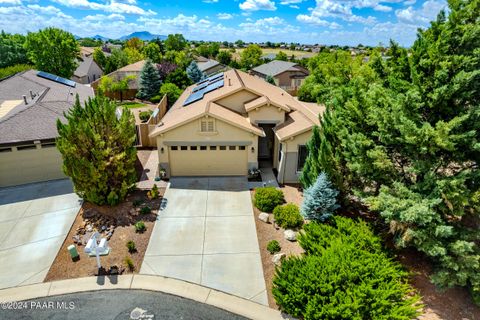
column 253, row 149
column 162, row 150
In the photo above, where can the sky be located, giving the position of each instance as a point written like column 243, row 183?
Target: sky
column 342, row 22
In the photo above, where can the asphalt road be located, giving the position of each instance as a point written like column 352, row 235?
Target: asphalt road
column 114, row 305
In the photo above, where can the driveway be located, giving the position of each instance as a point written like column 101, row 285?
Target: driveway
column 206, row 235
column 34, row 220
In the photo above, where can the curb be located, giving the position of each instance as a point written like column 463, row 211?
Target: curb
column 221, row 300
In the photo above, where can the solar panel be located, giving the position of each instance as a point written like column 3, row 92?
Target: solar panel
column 195, row 96
column 216, row 76
column 214, row 86
column 57, row 79
column 200, row 86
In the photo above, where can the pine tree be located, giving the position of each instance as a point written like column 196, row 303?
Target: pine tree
column 270, row 80
column 320, row 200
column 98, row 150
column 194, row 73
column 149, row 81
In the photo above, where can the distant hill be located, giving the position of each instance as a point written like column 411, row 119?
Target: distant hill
column 143, row 35
column 99, row 37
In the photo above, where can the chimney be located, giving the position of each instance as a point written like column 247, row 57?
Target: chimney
column 31, row 94
column 25, row 99
column 229, row 82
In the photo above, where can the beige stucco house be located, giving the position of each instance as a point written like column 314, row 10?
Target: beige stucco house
column 233, row 122
column 30, row 104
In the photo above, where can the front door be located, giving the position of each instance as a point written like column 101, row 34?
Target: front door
column 266, row 144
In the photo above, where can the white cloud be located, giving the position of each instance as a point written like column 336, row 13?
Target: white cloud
column 380, row 7
column 255, row 5
column 113, row 6
column 10, row 2
column 285, row 2
column 210, row 1
column 224, row 16
column 426, row 13
column 101, row 17
column 294, row 6
column 49, row 10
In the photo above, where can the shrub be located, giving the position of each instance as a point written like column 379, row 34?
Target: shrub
column 156, row 99
column 145, row 210
column 129, row 263
column 267, row 198
column 273, row 247
column 172, row 91
column 145, row 115
column 131, row 246
column 137, row 203
column 154, row 193
column 288, row 216
column 320, row 200
column 140, row 227
column 8, row 71
column 344, row 274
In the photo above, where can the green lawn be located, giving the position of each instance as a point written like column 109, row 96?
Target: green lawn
column 132, row 104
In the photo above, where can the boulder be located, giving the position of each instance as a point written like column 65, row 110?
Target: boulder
column 277, row 258
column 265, row 217
column 290, row 235
column 89, row 228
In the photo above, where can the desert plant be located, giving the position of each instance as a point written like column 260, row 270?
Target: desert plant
column 320, row 200
column 154, row 193
column 273, row 247
column 140, row 227
column 129, row 263
column 131, row 246
column 145, row 210
column 267, row 198
column 288, row 216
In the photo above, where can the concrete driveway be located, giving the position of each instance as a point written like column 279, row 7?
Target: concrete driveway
column 206, row 235
column 34, row 220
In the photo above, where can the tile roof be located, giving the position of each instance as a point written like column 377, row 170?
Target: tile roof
column 35, row 120
column 204, row 66
column 276, row 67
column 301, row 115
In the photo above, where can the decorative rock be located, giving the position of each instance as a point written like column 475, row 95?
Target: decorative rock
column 89, row 228
column 264, row 217
column 277, row 258
column 104, row 228
column 290, row 235
column 76, row 239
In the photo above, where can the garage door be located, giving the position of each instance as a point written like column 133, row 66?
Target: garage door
column 30, row 164
column 208, row 160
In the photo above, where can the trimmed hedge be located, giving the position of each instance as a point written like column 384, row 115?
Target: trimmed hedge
column 288, row 216
column 344, row 275
column 267, row 198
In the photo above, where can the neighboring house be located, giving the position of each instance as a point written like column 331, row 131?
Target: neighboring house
column 233, row 122
column 287, row 75
column 210, row 66
column 30, row 104
column 88, row 70
column 133, row 69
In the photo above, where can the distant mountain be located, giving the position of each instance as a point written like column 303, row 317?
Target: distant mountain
column 99, row 37
column 143, row 35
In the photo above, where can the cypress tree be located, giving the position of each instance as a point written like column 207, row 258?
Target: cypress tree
column 149, row 81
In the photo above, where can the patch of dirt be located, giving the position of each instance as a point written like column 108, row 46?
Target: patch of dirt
column 267, row 232
column 121, row 219
column 450, row 304
column 293, row 193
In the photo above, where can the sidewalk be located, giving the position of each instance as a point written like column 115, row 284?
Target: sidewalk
column 150, row 172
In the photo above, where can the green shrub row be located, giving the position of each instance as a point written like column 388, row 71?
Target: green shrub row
column 267, row 198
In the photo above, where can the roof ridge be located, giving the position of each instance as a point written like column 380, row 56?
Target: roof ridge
column 38, row 102
column 239, row 78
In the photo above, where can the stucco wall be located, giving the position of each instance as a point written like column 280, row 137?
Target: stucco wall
column 290, row 153
column 32, row 165
column 237, row 100
column 267, row 114
column 189, row 134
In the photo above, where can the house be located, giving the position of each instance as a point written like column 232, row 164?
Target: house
column 210, row 66
column 133, row 69
column 30, row 104
column 287, row 75
column 233, row 122
column 88, row 70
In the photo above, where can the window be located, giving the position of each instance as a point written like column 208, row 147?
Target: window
column 223, row 148
column 5, row 149
column 193, row 148
column 241, row 148
column 48, row 145
column 28, row 147
column 302, row 156
column 207, row 125
column 174, row 148
column 232, row 148
column 203, row 147
column 183, row 148
column 213, row 147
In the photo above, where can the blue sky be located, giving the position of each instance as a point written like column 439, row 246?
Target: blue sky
column 344, row 22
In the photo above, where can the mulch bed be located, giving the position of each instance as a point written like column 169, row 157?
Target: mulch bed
column 121, row 220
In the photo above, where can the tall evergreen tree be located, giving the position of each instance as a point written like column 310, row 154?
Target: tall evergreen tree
column 404, row 136
column 150, row 81
column 98, row 150
column 194, row 73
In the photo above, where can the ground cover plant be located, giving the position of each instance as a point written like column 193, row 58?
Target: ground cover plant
column 288, row 216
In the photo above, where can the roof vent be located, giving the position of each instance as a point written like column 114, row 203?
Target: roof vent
column 25, row 99
column 32, row 95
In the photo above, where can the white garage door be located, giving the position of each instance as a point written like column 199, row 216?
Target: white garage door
column 30, row 164
column 208, row 160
